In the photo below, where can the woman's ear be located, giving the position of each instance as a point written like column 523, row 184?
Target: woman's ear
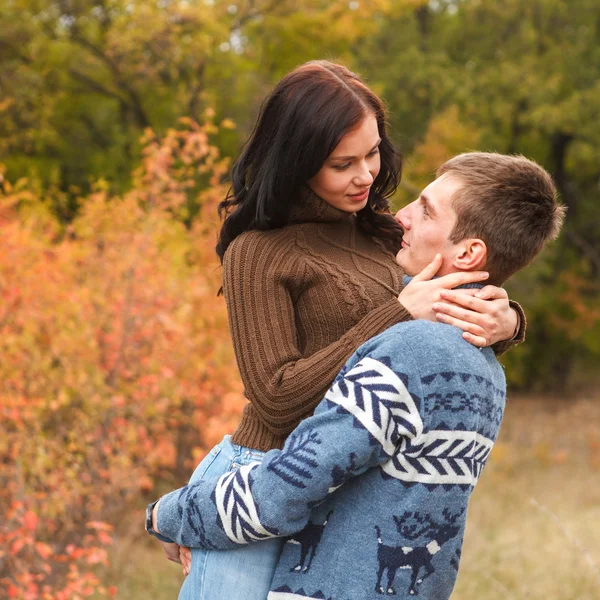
column 471, row 255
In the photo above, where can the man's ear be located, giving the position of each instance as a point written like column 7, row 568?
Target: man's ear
column 471, row 255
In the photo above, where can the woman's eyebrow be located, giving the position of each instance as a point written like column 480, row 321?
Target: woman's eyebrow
column 351, row 157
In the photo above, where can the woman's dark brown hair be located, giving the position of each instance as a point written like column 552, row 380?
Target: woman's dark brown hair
column 299, row 125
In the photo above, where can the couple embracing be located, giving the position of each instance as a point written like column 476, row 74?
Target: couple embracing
column 367, row 346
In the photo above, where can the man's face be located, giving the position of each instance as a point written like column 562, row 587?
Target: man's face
column 427, row 223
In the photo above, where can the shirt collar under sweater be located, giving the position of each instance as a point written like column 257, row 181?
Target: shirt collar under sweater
column 311, row 208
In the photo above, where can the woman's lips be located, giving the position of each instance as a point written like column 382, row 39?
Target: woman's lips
column 359, row 197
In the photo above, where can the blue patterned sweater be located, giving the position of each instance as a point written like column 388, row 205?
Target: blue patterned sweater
column 373, row 489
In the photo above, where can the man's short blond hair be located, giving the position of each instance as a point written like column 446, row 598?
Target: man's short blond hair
column 509, row 202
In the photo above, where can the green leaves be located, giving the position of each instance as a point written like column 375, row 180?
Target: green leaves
column 81, row 81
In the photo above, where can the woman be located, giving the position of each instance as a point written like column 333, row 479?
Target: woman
column 309, row 275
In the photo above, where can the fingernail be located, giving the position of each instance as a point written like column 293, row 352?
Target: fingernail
column 436, row 306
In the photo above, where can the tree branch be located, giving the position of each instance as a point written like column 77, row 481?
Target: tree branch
column 587, row 249
column 95, row 85
column 135, row 101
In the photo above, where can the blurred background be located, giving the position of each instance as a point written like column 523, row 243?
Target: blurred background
column 119, row 120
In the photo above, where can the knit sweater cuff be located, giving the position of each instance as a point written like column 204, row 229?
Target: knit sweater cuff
column 501, row 347
column 253, row 433
column 167, row 524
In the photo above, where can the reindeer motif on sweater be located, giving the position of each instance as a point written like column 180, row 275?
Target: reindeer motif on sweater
column 395, row 450
column 308, row 539
column 418, row 558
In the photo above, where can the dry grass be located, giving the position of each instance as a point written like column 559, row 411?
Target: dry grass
column 534, row 523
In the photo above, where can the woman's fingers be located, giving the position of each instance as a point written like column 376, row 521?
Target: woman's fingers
column 430, row 270
column 464, row 298
column 476, row 340
column 463, row 314
column 463, row 277
column 491, row 292
column 467, row 326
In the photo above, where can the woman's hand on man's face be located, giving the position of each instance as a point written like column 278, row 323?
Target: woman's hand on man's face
column 419, row 296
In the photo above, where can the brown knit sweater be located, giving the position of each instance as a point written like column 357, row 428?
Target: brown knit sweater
column 301, row 300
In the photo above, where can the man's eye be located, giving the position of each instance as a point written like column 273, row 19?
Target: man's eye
column 425, row 211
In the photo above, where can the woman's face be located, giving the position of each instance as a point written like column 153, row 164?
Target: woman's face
column 348, row 172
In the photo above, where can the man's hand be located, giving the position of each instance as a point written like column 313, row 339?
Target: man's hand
column 484, row 315
column 422, row 292
column 185, row 556
column 171, row 551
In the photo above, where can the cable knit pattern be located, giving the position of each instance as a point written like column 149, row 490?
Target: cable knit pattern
column 298, row 308
column 345, row 281
column 301, row 300
column 389, row 263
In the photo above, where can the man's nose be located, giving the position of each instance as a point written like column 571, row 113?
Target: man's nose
column 402, row 218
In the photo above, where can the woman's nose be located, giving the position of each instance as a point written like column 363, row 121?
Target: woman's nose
column 364, row 176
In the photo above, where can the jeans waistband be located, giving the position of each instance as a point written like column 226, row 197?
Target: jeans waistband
column 241, row 452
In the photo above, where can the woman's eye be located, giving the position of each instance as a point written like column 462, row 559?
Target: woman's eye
column 373, row 152
column 341, row 167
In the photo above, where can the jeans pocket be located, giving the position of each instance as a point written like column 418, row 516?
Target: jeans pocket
column 205, row 464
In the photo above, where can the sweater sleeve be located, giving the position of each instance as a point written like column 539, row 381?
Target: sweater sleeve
column 505, row 345
column 283, row 385
column 345, row 437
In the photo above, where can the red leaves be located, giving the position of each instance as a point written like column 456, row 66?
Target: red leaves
column 44, row 550
column 30, row 520
column 116, row 365
column 99, row 526
column 18, row 545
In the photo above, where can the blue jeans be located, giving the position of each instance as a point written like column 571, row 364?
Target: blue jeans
column 241, row 574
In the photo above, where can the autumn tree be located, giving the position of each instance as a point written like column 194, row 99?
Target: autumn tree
column 117, row 370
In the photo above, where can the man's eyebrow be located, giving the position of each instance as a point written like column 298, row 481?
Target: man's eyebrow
column 352, row 157
column 427, row 202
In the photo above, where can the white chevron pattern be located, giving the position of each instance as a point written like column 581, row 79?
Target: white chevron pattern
column 376, row 396
column 441, row 457
column 236, row 507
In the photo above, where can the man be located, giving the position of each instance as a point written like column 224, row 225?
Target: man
column 373, row 489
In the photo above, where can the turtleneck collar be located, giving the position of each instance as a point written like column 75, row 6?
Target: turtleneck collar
column 310, row 208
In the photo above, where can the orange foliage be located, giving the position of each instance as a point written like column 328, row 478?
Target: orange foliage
column 117, row 370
